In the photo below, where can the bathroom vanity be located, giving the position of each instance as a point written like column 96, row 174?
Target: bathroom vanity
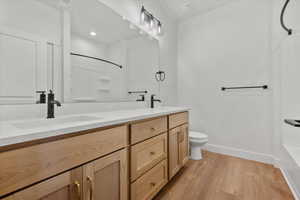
column 130, row 156
column 68, row 51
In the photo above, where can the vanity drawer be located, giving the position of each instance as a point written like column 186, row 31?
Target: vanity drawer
column 146, row 187
column 147, row 154
column 178, row 119
column 28, row 165
column 143, row 130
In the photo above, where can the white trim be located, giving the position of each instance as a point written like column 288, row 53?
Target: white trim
column 265, row 158
column 289, row 181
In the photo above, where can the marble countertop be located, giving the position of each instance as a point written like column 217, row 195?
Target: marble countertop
column 14, row 132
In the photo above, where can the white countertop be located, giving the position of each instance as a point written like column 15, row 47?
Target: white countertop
column 11, row 134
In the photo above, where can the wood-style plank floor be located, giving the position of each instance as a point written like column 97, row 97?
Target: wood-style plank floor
column 221, row 177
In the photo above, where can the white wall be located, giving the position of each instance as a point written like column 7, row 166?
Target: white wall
column 229, row 46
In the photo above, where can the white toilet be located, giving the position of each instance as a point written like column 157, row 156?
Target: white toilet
column 197, row 141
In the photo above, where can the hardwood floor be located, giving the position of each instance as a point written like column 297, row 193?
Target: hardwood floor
column 220, row 177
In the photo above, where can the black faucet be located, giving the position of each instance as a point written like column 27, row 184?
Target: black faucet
column 142, row 98
column 51, row 102
column 154, row 100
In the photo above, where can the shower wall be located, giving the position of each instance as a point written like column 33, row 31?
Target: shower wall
column 286, row 96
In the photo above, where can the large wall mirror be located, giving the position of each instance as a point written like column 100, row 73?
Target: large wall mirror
column 81, row 49
column 109, row 57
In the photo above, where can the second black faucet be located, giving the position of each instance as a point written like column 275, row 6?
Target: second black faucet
column 154, row 100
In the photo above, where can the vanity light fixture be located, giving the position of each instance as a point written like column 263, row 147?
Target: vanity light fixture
column 151, row 21
column 92, row 33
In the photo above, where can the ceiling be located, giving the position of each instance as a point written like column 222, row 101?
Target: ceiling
column 183, row 9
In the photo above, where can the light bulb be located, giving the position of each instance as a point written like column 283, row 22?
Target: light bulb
column 159, row 28
column 151, row 22
column 143, row 16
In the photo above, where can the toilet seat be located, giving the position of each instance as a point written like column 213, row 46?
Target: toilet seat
column 197, row 137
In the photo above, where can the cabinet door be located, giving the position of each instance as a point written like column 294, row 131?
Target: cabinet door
column 67, row 186
column 106, row 178
column 174, row 161
column 183, row 140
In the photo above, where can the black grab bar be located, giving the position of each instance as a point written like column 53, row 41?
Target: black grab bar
column 138, row 92
column 246, row 87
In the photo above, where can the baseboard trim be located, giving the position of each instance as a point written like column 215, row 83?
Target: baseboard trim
column 240, row 153
column 290, row 182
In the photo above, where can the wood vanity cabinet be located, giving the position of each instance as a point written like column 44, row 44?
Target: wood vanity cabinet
column 66, row 186
column 102, row 179
column 178, row 143
column 130, row 161
column 158, row 155
column 149, row 158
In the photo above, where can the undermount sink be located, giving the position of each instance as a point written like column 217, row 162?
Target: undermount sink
column 50, row 122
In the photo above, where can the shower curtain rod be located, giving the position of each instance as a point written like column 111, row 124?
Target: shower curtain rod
column 95, row 58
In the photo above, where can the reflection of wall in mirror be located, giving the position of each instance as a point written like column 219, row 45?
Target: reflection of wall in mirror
column 143, row 64
column 97, row 81
column 26, row 30
column 93, row 80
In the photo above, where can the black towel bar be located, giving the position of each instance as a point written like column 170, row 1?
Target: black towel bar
column 138, row 92
column 246, row 87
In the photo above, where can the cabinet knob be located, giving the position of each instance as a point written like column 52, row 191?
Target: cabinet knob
column 152, row 184
column 152, row 129
column 152, row 153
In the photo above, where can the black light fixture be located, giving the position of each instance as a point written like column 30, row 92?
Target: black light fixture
column 153, row 23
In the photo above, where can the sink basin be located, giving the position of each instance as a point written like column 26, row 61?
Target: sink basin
column 52, row 122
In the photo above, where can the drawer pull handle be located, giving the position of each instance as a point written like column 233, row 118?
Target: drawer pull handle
column 77, row 188
column 153, row 184
column 152, row 153
column 153, row 129
column 89, row 179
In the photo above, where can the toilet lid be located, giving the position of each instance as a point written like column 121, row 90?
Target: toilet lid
column 197, row 135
